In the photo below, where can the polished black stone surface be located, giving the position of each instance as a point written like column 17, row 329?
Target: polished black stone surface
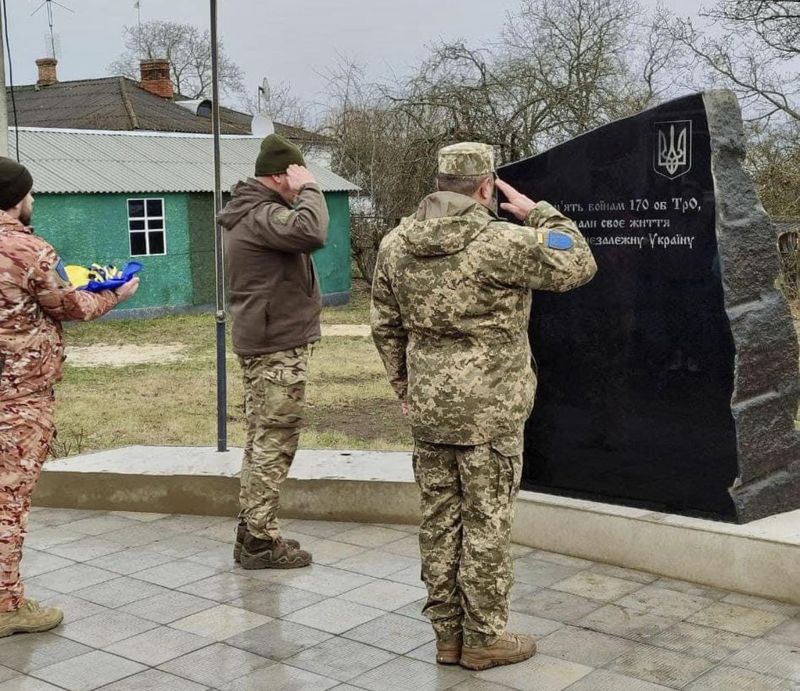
column 635, row 368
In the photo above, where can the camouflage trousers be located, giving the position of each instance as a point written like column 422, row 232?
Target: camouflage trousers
column 274, row 403
column 27, row 427
column 468, row 497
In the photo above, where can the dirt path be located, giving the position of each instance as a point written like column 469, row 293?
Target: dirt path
column 345, row 330
column 102, row 355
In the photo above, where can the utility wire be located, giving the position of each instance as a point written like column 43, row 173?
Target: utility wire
column 11, row 81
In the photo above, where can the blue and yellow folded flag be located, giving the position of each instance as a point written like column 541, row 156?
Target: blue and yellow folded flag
column 97, row 278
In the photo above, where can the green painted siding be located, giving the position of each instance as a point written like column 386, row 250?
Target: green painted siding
column 333, row 260
column 91, row 228
column 201, row 228
column 94, row 228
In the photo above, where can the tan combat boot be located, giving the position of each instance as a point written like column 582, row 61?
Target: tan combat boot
column 241, row 531
column 506, row 650
column 272, row 554
column 31, row 617
column 448, row 651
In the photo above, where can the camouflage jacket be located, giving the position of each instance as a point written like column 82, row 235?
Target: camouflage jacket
column 451, row 301
column 35, row 296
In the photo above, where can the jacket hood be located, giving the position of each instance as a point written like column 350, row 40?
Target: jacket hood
column 445, row 223
column 245, row 196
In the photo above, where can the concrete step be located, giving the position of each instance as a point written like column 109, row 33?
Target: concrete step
column 760, row 558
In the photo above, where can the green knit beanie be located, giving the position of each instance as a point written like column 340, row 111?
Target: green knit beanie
column 276, row 155
column 15, row 183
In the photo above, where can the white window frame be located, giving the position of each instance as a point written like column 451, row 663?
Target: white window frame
column 147, row 230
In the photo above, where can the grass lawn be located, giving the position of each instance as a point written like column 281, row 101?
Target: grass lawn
column 350, row 403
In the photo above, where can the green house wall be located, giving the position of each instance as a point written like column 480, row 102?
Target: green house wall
column 333, row 260
column 87, row 228
column 201, row 225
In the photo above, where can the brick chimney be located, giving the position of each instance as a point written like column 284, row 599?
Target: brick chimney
column 155, row 77
column 47, row 72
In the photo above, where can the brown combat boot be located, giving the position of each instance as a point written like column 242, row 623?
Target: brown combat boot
column 506, row 650
column 31, row 617
column 448, row 650
column 241, row 531
column 271, row 554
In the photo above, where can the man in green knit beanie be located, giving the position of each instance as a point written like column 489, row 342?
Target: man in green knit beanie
column 276, row 155
column 273, row 222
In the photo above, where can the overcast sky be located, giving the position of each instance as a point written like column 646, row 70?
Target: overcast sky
column 295, row 42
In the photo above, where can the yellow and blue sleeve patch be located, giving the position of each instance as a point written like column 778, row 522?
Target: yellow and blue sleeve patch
column 559, row 241
column 555, row 240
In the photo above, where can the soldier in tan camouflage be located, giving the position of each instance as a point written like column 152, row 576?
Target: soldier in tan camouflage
column 35, row 297
column 451, row 301
column 273, row 223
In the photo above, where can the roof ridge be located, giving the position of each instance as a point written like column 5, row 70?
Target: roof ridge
column 71, row 81
column 128, row 105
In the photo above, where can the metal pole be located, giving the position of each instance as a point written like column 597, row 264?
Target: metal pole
column 222, row 385
column 3, row 107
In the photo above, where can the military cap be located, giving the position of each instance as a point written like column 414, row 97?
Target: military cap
column 276, row 155
column 466, row 159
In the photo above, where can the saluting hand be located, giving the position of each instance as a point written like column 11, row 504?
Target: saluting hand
column 297, row 176
column 518, row 204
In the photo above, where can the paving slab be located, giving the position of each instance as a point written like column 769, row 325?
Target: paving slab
column 185, row 617
column 332, row 493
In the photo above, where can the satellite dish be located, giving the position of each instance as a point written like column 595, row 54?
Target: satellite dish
column 262, row 125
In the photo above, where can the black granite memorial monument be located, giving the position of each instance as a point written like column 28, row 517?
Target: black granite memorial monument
column 670, row 380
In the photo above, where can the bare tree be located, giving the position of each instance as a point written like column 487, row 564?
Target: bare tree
column 377, row 145
column 752, row 49
column 776, row 23
column 283, row 106
column 774, row 162
column 560, row 68
column 381, row 149
column 581, row 53
column 189, row 53
column 462, row 93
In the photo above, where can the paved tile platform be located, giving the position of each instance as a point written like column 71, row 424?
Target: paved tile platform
column 155, row 601
column 759, row 558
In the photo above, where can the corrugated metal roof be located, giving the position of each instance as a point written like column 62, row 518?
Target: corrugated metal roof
column 73, row 161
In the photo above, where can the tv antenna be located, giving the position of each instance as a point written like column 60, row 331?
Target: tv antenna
column 48, row 5
column 265, row 97
column 262, row 125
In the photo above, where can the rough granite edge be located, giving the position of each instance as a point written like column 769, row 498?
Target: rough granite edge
column 778, row 489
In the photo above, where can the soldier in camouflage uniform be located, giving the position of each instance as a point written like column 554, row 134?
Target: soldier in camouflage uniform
column 451, row 300
column 273, row 223
column 35, row 297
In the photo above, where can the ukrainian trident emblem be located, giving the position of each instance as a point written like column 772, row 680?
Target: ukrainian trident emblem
column 673, row 148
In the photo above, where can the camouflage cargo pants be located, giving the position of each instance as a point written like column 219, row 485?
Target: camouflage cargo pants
column 27, row 427
column 274, row 402
column 468, row 496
